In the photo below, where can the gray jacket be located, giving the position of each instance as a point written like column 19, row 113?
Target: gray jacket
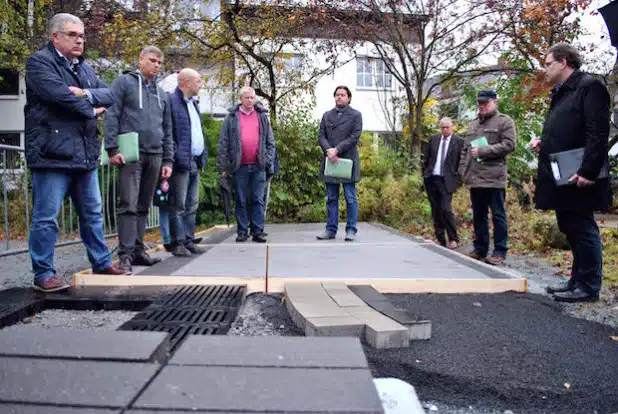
column 144, row 109
column 341, row 129
column 229, row 155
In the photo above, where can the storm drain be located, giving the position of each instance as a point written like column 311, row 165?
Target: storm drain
column 190, row 310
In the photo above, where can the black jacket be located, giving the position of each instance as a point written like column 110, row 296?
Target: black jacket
column 181, row 132
column 61, row 129
column 578, row 116
column 451, row 161
column 341, row 129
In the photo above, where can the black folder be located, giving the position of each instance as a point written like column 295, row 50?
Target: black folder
column 566, row 163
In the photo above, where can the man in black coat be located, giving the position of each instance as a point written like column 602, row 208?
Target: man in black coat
column 340, row 130
column 441, row 156
column 578, row 117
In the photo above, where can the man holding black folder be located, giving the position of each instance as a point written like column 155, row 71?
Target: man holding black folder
column 578, row 118
column 142, row 107
column 340, row 130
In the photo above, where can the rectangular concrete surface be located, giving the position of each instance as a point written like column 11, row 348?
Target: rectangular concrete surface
column 262, row 389
column 270, row 351
column 36, row 342
column 87, row 383
column 50, row 409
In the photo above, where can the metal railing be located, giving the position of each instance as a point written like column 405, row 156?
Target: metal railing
column 16, row 207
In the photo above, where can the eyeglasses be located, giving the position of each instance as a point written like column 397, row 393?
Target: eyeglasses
column 548, row 64
column 74, row 35
column 154, row 60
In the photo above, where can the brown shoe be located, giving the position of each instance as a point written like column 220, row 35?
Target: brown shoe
column 110, row 270
column 452, row 245
column 495, row 260
column 51, row 284
column 475, row 256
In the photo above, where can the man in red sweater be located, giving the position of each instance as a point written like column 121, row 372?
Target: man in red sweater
column 246, row 151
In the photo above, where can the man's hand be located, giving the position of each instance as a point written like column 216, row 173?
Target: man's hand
column 100, row 110
column 332, row 153
column 581, row 181
column 166, row 172
column 117, row 159
column 535, row 145
column 223, row 173
column 76, row 91
column 474, row 152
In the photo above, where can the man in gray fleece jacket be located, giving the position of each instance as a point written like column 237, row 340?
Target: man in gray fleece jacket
column 143, row 107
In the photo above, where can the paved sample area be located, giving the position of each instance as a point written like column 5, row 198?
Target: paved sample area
column 383, row 257
column 213, row 373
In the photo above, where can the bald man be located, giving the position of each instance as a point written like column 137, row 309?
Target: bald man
column 190, row 156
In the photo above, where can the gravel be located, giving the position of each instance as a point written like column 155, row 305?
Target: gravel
column 77, row 320
column 263, row 315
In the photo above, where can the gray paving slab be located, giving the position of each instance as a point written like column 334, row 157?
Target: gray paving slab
column 306, row 233
column 50, row 409
column 270, row 351
column 247, row 260
column 87, row 383
column 334, row 326
column 36, row 342
column 405, row 261
column 262, row 389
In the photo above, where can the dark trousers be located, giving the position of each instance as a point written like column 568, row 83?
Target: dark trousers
column 249, row 183
column 136, row 186
column 441, row 212
column 332, row 207
column 484, row 199
column 182, row 213
column 584, row 238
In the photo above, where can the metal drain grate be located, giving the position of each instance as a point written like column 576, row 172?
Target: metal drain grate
column 190, row 310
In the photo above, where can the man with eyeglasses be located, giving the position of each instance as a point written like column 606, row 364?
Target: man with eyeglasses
column 64, row 97
column 141, row 107
column 578, row 117
column 490, row 139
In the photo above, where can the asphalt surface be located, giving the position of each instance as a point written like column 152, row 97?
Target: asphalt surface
column 508, row 351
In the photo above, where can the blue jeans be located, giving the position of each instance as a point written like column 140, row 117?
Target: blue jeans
column 48, row 190
column 164, row 225
column 182, row 214
column 249, row 181
column 332, row 207
column 484, row 199
column 584, row 238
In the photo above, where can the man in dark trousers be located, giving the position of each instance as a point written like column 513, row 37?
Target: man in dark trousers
column 490, row 139
column 578, row 117
column 142, row 107
column 340, row 130
column 246, row 150
column 64, row 98
column 189, row 157
column 441, row 156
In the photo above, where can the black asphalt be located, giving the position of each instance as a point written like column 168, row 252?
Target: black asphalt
column 505, row 351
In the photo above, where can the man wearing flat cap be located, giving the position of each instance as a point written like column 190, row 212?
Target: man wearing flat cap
column 490, row 139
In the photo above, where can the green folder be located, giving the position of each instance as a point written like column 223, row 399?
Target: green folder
column 343, row 169
column 479, row 142
column 128, row 145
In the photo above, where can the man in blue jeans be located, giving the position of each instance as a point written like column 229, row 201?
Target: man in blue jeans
column 64, row 97
column 340, row 130
column 246, row 150
column 490, row 139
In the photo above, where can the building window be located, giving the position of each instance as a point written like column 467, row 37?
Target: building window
column 9, row 82
column 372, row 73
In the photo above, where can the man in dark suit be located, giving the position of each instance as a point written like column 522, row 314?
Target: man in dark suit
column 340, row 130
column 578, row 117
column 440, row 164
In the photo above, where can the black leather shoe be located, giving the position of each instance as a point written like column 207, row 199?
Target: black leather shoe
column 575, row 295
column 198, row 240
column 563, row 287
column 194, row 249
column 242, row 237
column 144, row 259
column 259, row 238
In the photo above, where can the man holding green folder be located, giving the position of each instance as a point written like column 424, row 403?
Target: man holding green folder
column 340, row 130
column 490, row 139
column 138, row 139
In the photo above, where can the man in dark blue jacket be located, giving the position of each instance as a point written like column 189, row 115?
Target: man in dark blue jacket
column 64, row 97
column 190, row 157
